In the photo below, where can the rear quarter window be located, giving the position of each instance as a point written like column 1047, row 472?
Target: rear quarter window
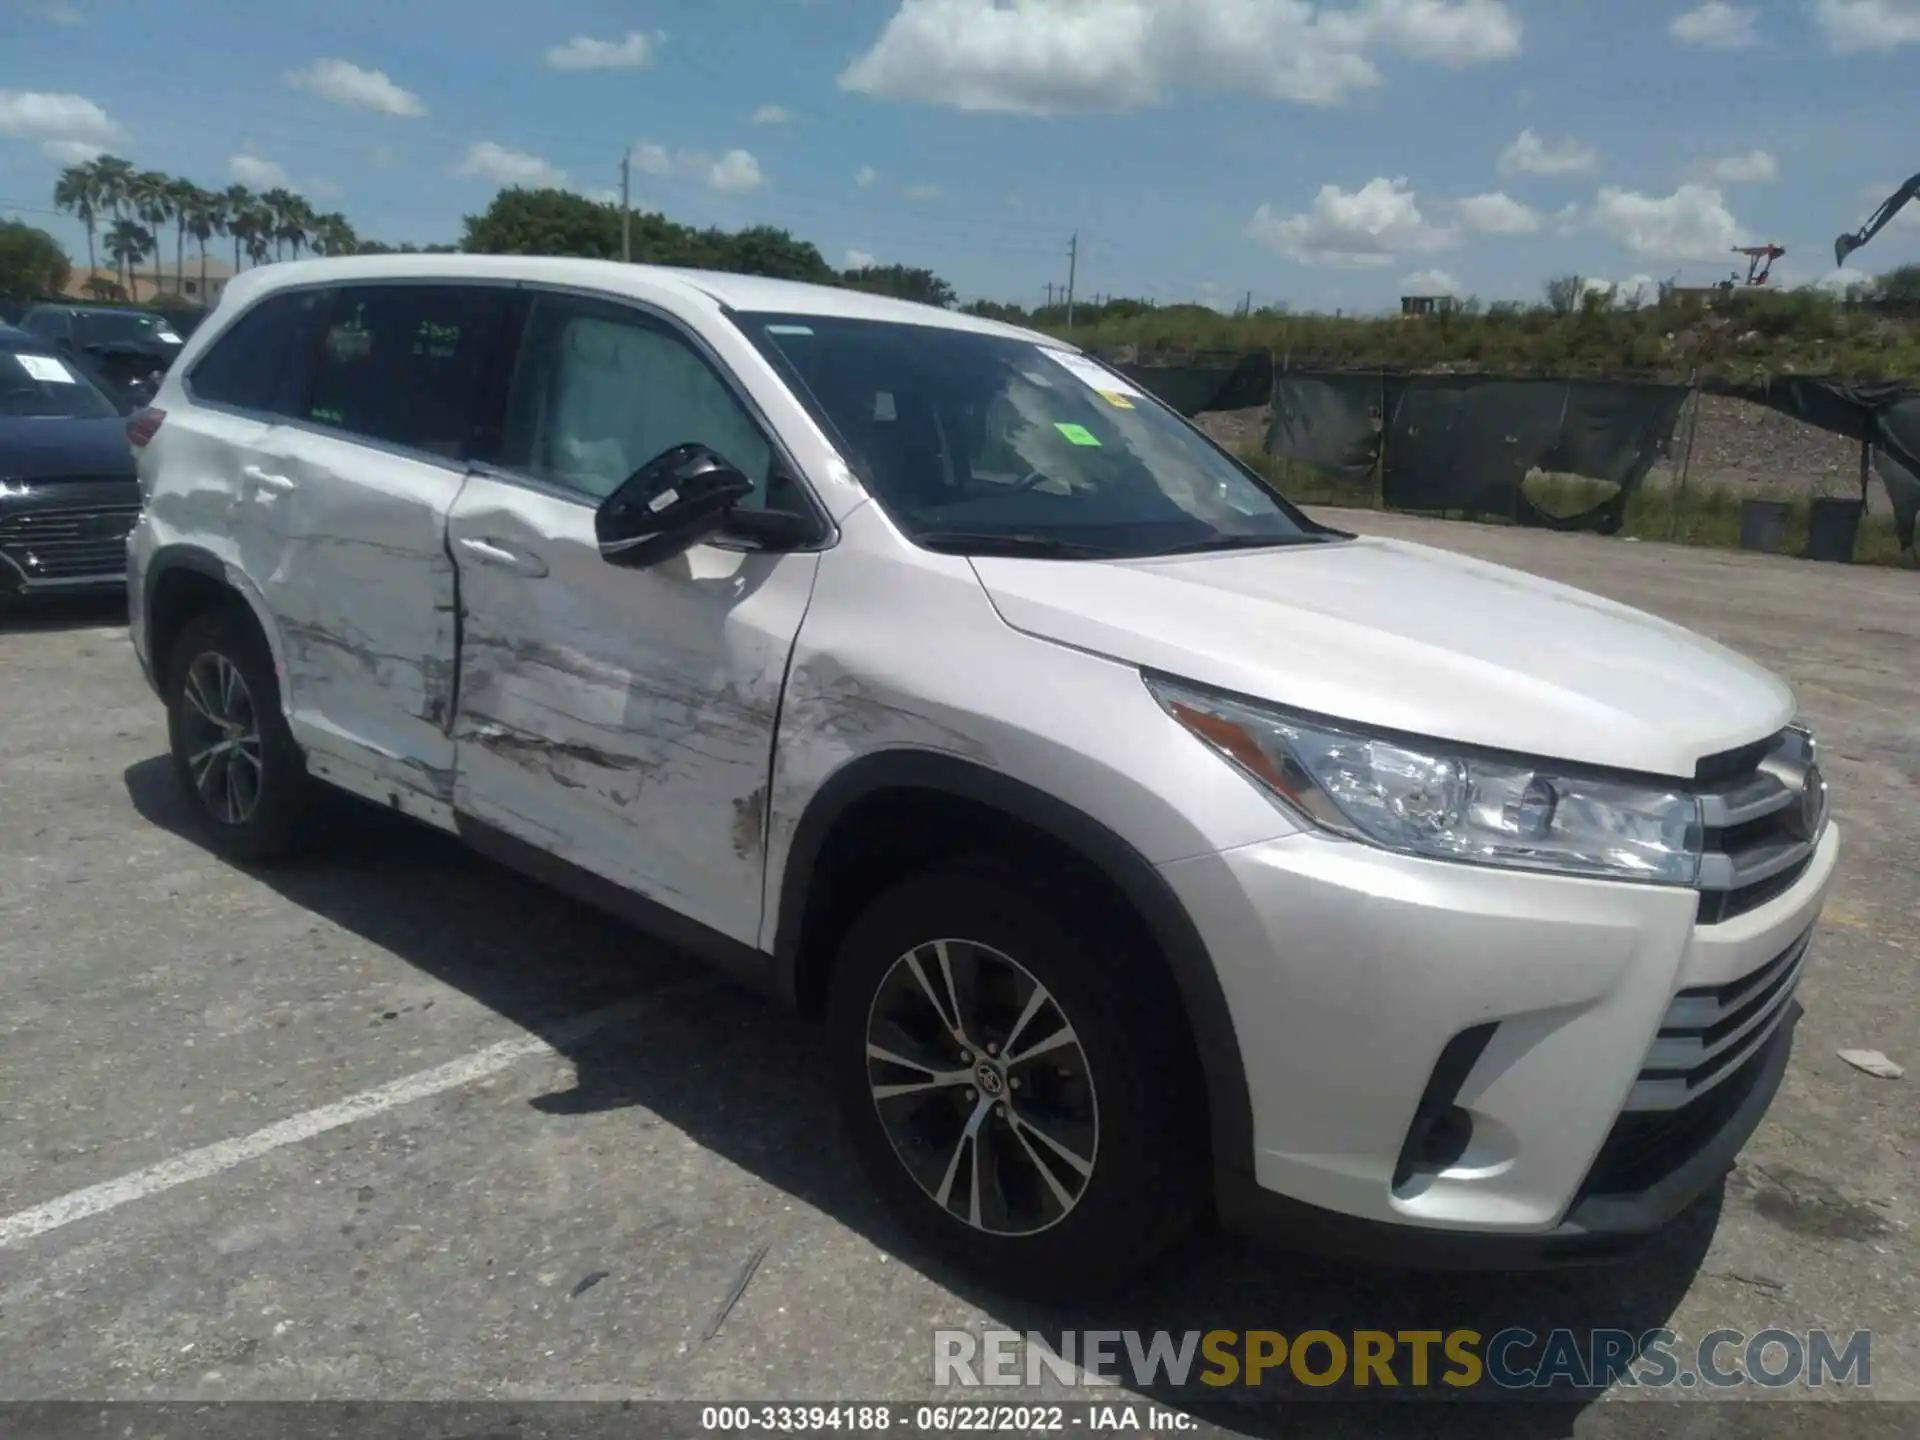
column 261, row 363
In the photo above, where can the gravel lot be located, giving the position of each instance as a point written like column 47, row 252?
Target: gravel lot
column 542, row 1205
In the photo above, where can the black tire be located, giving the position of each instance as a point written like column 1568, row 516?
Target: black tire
column 1148, row 1174
column 273, row 825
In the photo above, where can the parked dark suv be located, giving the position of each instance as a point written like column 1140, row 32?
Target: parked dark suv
column 68, row 494
column 130, row 348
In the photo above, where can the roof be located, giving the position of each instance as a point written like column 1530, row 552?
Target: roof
column 713, row 287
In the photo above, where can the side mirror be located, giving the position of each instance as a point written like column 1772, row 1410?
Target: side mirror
column 668, row 505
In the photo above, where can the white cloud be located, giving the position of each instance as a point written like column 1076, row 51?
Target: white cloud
column 858, row 260
column 257, row 171
column 70, row 128
column 735, row 173
column 866, row 176
column 344, row 83
column 1852, row 25
column 631, row 52
column 1429, row 282
column 1568, row 219
column 1716, row 25
column 1042, row 57
column 1498, row 214
column 1364, row 229
column 509, row 167
column 772, row 115
column 1693, row 223
column 924, row 192
column 1531, row 155
column 1753, row 168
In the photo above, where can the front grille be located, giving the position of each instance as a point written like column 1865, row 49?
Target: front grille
column 1710, row 1031
column 1763, row 808
column 68, row 542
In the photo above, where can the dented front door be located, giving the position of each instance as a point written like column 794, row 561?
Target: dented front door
column 621, row 720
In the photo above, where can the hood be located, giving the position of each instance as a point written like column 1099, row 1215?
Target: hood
column 1404, row 637
column 51, row 448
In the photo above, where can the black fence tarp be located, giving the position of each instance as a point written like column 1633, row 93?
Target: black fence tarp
column 1467, row 441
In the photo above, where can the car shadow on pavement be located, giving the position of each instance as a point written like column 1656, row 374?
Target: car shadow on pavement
column 742, row 1078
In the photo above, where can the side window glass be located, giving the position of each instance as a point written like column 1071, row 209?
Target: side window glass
column 404, row 363
column 260, row 364
column 600, row 392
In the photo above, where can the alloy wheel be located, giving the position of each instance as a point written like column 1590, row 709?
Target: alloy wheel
column 221, row 730
column 983, row 1087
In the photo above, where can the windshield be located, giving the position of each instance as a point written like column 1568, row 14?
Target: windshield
column 980, row 443
column 37, row 384
column 104, row 327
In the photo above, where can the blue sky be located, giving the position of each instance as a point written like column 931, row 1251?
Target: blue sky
column 1317, row 155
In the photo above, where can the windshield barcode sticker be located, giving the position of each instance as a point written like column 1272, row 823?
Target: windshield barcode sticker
column 45, row 369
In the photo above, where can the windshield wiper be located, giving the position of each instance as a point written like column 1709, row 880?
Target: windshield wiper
column 1242, row 542
column 987, row 542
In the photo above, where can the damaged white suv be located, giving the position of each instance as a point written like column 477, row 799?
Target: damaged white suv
column 1151, row 850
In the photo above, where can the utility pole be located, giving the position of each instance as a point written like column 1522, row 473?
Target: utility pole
column 626, row 210
column 1049, row 294
column 1073, row 264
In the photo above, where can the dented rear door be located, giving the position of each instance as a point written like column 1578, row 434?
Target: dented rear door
column 359, row 489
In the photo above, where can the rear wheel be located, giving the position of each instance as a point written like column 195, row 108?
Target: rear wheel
column 1026, row 1105
column 235, row 758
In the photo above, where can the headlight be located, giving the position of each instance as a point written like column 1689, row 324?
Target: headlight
column 1428, row 798
column 13, row 489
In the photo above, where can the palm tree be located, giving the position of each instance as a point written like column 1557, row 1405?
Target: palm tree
column 111, row 177
column 77, row 192
column 128, row 243
column 150, row 197
column 236, row 205
column 201, row 213
column 181, row 194
column 282, row 206
column 333, row 234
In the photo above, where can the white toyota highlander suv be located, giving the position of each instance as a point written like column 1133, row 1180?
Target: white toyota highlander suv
column 1151, row 850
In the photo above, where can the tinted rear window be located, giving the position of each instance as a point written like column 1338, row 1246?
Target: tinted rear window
column 261, row 362
column 404, row 363
column 41, row 384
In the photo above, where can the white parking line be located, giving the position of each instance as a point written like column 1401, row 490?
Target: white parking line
column 210, row 1160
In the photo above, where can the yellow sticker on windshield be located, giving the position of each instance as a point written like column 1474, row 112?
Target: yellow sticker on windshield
column 1116, row 399
column 1079, row 435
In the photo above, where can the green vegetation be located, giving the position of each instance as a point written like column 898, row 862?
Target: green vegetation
column 1746, row 335
column 1707, row 515
column 31, row 262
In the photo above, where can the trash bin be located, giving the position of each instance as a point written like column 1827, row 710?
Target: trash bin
column 1763, row 525
column 1833, row 525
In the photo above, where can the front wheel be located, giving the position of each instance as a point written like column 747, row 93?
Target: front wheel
column 1025, row 1104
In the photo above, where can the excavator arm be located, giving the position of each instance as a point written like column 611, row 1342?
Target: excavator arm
column 1890, row 207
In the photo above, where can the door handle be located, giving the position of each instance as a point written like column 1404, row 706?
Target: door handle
column 493, row 552
column 265, row 479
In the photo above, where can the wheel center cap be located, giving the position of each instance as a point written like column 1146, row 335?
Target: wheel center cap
column 987, row 1076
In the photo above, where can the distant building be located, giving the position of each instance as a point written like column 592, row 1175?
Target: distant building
column 1413, row 307
column 187, row 286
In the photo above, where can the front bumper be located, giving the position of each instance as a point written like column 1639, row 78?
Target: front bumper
column 66, row 536
column 1349, row 971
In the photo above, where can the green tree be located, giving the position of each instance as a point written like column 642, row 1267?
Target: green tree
column 547, row 222
column 203, row 221
column 150, row 198
column 182, row 195
column 77, row 192
column 334, row 235
column 32, row 264
column 903, row 282
column 113, row 180
column 236, row 207
column 128, row 243
column 1901, row 283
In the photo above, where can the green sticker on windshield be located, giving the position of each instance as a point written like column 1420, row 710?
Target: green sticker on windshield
column 1079, row 435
